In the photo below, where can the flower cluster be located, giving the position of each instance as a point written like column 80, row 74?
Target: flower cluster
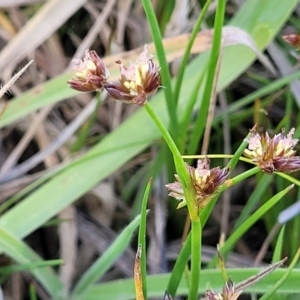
column 273, row 154
column 205, row 182
column 138, row 81
column 228, row 293
column 90, row 74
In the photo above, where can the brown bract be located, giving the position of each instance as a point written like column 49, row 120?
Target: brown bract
column 292, row 39
column 273, row 154
column 90, row 74
column 205, row 182
column 138, row 81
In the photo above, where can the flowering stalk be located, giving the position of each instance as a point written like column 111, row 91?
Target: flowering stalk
column 165, row 73
column 189, row 194
column 179, row 163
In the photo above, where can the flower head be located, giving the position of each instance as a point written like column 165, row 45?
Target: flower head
column 273, row 154
column 205, row 182
column 138, row 81
column 228, row 293
column 292, row 39
column 90, row 74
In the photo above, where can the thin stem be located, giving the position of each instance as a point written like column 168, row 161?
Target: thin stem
column 289, row 178
column 179, row 163
column 165, row 74
column 241, row 158
column 190, row 201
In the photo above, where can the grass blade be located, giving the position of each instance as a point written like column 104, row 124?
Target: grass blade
column 231, row 241
column 101, row 265
column 142, row 238
column 20, row 252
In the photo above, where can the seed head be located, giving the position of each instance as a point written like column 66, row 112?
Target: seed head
column 138, row 81
column 205, row 182
column 273, row 154
column 90, row 74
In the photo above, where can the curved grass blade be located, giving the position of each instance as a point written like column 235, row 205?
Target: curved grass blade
column 279, row 245
column 30, row 266
column 187, row 51
column 103, row 263
column 231, row 241
column 285, row 276
column 211, row 73
column 20, row 252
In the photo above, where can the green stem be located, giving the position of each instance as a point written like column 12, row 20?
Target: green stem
column 289, row 178
column 241, row 158
column 181, row 169
column 187, row 247
column 196, row 233
column 190, row 201
column 165, row 74
column 243, row 176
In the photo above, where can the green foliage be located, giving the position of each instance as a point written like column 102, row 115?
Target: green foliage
column 169, row 115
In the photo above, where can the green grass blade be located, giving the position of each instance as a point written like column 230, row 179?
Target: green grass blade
column 21, row 253
column 30, row 266
column 187, row 51
column 188, row 112
column 32, row 292
column 232, row 240
column 178, row 268
column 284, row 277
column 256, row 195
column 123, row 289
column 277, row 255
column 264, row 91
column 102, row 264
column 211, row 73
column 142, row 238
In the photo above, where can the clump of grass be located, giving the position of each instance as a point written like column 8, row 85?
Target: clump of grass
column 170, row 115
